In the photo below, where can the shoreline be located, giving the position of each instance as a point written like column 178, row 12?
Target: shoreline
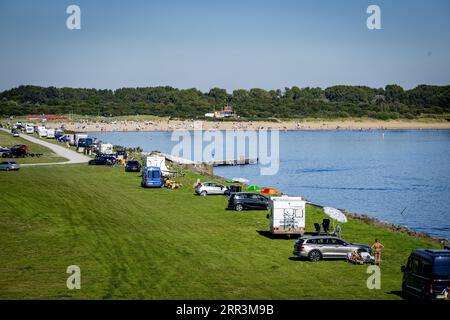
column 368, row 219
column 174, row 125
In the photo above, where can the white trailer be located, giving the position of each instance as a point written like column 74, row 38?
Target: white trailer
column 287, row 215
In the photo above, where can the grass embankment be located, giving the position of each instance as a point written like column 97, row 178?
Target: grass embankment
column 139, row 243
column 48, row 156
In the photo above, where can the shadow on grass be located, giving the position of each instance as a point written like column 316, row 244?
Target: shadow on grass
column 299, row 259
column 270, row 235
column 397, row 293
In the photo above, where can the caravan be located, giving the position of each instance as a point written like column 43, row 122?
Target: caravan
column 287, row 215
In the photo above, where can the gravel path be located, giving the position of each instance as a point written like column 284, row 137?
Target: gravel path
column 72, row 156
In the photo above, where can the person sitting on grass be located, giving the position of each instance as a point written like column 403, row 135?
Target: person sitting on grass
column 355, row 257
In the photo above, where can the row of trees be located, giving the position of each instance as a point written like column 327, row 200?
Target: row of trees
column 390, row 102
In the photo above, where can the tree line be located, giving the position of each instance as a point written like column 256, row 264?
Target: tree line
column 391, row 102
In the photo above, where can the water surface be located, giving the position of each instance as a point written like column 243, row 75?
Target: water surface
column 379, row 173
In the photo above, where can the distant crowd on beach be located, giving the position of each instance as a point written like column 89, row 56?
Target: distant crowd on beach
column 172, row 125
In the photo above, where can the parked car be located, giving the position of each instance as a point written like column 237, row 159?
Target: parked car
column 426, row 274
column 207, row 188
column 316, row 248
column 102, row 161
column 152, row 177
column 18, row 151
column 16, row 134
column 132, row 166
column 9, row 166
column 247, row 200
column 4, row 152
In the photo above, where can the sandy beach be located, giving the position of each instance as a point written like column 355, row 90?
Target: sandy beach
column 171, row 125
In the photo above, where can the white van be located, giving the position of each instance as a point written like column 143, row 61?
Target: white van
column 50, row 133
column 287, row 215
column 42, row 132
column 29, row 128
column 79, row 136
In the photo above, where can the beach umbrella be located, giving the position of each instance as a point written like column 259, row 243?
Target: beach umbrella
column 335, row 214
column 240, row 180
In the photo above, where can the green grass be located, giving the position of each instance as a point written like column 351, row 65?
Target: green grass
column 48, row 156
column 134, row 243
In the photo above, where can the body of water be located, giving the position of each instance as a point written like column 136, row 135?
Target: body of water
column 396, row 176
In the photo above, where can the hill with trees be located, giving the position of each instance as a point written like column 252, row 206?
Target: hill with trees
column 391, row 102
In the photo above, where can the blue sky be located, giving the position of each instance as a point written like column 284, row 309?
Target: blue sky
column 230, row 44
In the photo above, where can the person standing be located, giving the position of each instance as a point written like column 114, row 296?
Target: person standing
column 377, row 247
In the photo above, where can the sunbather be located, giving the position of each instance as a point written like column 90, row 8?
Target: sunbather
column 377, row 247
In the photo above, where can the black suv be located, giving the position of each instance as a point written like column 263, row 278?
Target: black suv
column 427, row 274
column 102, row 161
column 247, row 200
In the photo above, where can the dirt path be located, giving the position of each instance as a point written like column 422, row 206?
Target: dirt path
column 72, row 156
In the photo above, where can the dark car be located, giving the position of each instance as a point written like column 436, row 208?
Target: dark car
column 19, row 151
column 427, row 274
column 247, row 200
column 102, row 161
column 133, row 166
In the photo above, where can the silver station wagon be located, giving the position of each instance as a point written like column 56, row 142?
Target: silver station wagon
column 316, row 248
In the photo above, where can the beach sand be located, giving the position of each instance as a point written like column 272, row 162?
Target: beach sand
column 171, row 125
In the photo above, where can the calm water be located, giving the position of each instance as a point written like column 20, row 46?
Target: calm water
column 363, row 172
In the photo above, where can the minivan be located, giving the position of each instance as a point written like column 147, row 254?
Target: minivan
column 247, row 200
column 426, row 274
column 152, row 177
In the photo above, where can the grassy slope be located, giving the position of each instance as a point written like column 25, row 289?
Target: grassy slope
column 7, row 140
column 162, row 244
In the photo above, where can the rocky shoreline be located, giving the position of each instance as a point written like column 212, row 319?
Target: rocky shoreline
column 392, row 226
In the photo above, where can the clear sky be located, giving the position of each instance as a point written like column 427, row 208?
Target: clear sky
column 228, row 43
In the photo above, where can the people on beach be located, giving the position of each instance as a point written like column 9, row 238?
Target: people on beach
column 377, row 247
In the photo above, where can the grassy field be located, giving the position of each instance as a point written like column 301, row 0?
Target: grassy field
column 48, row 156
column 134, row 243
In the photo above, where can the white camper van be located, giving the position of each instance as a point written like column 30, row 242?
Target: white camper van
column 79, row 136
column 106, row 148
column 287, row 215
column 42, row 131
column 50, row 133
column 29, row 128
column 157, row 161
